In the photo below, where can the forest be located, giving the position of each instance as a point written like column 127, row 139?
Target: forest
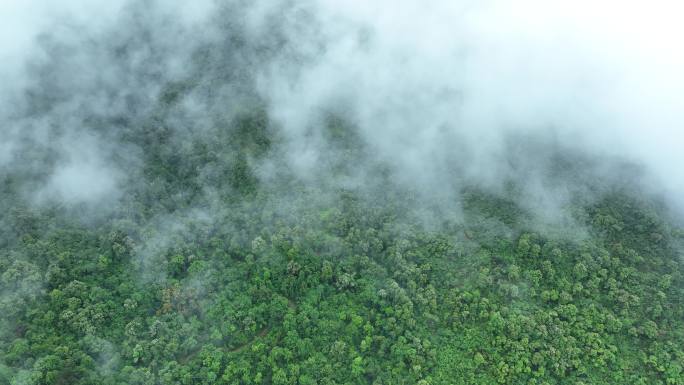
column 216, row 262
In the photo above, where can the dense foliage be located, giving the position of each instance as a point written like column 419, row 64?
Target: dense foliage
column 217, row 265
column 285, row 288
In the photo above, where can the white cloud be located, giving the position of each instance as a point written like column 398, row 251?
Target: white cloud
column 429, row 80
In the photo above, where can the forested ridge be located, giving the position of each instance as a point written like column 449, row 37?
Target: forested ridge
column 337, row 287
column 216, row 263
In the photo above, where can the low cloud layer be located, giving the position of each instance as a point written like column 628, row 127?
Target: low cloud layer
column 79, row 74
column 449, row 82
column 434, row 90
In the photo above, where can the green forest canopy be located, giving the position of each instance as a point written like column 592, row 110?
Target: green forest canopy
column 217, row 264
column 292, row 284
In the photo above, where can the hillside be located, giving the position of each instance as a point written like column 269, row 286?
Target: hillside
column 300, row 194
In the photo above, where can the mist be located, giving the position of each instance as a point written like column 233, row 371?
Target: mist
column 450, row 82
column 429, row 88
